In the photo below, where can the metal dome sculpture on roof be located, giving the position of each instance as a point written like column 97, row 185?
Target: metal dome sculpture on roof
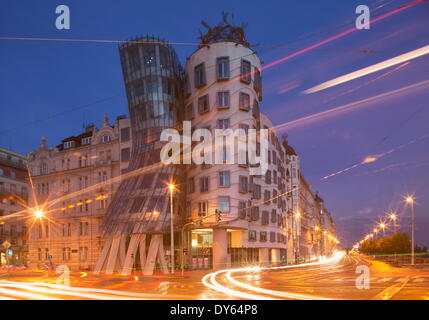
column 224, row 32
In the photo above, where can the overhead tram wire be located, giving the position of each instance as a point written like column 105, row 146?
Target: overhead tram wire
column 308, row 36
column 84, row 106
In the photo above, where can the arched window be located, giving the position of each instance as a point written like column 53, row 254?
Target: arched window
column 44, row 168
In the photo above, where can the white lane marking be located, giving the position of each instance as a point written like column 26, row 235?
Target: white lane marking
column 385, row 279
column 401, row 279
column 389, row 292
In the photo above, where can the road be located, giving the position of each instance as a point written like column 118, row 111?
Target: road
column 333, row 278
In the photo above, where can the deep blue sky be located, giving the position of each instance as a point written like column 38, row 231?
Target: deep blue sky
column 42, row 78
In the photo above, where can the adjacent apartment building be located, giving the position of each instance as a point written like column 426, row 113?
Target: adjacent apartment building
column 73, row 183
column 13, row 200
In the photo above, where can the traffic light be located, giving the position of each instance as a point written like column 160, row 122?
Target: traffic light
column 218, row 215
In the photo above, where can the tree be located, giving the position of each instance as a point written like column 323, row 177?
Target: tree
column 394, row 244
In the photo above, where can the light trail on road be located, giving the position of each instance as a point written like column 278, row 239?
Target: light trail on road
column 47, row 291
column 210, row 281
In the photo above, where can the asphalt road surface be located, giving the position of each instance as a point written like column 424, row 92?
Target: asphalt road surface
column 334, row 278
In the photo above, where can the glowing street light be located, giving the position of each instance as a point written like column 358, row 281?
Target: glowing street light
column 409, row 199
column 39, row 214
column 393, row 217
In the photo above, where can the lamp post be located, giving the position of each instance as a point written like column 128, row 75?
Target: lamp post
column 297, row 215
column 410, row 200
column 171, row 187
column 392, row 217
column 382, row 227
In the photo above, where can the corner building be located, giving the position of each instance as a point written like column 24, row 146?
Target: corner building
column 223, row 90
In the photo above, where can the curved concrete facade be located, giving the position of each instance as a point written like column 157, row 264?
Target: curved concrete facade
column 254, row 229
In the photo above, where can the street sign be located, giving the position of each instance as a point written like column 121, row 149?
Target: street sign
column 9, row 252
column 6, row 244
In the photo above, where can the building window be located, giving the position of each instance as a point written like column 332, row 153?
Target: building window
column 1, row 172
column 267, row 196
column 125, row 154
column 265, row 217
column 204, row 184
column 224, row 204
column 252, row 235
column 83, row 228
column 203, row 104
column 242, row 209
column 43, row 168
column 189, row 112
column 272, row 237
column 191, row 185
column 274, row 176
column 274, row 196
column 224, row 179
column 268, row 177
column 102, row 203
column 243, row 184
column 222, row 68
column 200, row 75
column 68, row 144
column 86, row 140
column 39, row 254
column 66, row 254
column 125, row 134
column 244, row 102
column 256, row 191
column 254, row 213
column 246, row 69
column 257, row 83
column 223, row 99
column 106, row 139
column 274, row 216
column 202, row 208
column 137, row 205
column 223, row 124
column 83, row 253
column 255, row 110
column 263, row 236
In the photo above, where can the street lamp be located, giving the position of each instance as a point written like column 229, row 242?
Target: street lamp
column 39, row 213
column 171, row 187
column 382, row 226
column 297, row 216
column 410, row 200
